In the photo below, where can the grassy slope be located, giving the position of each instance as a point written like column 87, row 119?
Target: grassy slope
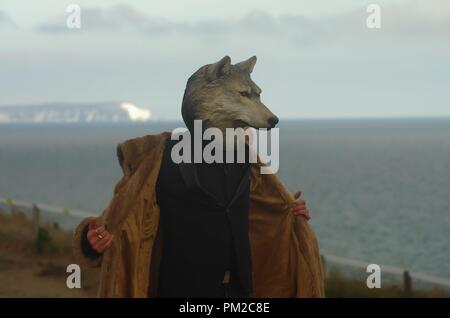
column 26, row 273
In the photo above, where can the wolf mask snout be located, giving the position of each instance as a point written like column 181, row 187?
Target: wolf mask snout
column 223, row 95
column 273, row 121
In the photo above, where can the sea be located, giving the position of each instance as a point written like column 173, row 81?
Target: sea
column 378, row 189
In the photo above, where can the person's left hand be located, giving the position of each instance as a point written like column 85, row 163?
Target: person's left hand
column 299, row 206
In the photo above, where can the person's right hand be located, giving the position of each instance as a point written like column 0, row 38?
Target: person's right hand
column 99, row 238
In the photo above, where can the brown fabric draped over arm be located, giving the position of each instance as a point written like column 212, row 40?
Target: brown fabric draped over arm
column 285, row 252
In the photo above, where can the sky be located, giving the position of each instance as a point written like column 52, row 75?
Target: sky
column 316, row 59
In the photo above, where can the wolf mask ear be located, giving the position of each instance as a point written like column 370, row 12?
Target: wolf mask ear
column 219, row 69
column 248, row 65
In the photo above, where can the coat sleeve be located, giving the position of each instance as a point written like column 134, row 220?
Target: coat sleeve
column 82, row 251
column 130, row 154
column 286, row 255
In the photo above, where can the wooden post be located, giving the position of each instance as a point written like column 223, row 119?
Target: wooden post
column 36, row 219
column 407, row 285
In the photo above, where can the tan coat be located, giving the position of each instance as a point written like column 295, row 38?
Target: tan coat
column 285, row 254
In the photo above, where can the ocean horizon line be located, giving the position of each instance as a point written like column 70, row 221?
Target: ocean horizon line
column 282, row 119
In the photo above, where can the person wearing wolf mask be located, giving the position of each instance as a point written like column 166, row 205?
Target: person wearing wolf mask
column 203, row 229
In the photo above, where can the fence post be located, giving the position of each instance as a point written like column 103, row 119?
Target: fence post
column 407, row 285
column 36, row 219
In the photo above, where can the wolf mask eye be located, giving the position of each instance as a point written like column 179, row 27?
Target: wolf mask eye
column 245, row 94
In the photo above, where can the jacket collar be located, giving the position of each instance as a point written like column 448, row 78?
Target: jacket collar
column 189, row 173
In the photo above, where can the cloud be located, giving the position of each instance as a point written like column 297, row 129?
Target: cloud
column 6, row 20
column 420, row 18
column 126, row 17
column 111, row 19
column 412, row 17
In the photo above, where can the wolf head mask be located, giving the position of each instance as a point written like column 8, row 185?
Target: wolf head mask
column 223, row 95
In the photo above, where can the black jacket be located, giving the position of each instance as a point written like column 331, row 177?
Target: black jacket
column 204, row 222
